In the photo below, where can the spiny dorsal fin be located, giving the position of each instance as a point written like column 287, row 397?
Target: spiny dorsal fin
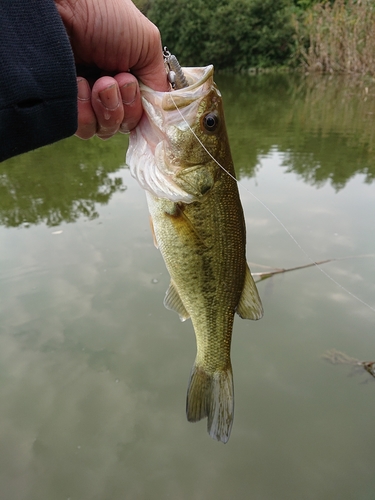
column 173, row 302
column 250, row 305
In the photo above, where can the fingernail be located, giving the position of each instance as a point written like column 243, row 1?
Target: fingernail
column 129, row 92
column 109, row 97
column 84, row 92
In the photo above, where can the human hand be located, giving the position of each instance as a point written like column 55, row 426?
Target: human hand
column 114, row 37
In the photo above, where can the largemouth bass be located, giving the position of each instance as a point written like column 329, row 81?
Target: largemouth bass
column 198, row 225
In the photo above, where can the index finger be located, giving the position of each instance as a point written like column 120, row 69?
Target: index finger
column 151, row 71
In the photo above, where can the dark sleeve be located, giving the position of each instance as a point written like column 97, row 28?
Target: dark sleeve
column 38, row 91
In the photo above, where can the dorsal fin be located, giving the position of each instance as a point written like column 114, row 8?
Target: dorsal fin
column 250, row 305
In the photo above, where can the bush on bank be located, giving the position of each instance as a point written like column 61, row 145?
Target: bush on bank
column 329, row 36
column 339, row 37
column 231, row 34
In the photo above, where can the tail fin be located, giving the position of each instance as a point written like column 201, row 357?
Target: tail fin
column 211, row 395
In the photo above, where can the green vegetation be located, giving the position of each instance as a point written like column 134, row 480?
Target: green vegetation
column 341, row 37
column 322, row 127
column 329, row 36
column 60, row 182
column 236, row 34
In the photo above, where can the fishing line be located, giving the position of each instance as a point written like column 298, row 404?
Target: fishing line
column 273, row 215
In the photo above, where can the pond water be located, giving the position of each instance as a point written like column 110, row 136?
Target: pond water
column 93, row 368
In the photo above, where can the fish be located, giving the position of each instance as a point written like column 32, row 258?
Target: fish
column 180, row 155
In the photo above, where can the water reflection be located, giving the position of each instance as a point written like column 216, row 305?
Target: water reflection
column 93, row 368
column 322, row 125
column 61, row 182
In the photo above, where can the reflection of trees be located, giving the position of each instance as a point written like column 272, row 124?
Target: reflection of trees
column 60, row 182
column 254, row 115
column 323, row 125
column 330, row 160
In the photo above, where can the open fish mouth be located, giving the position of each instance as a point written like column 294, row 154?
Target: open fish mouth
column 152, row 155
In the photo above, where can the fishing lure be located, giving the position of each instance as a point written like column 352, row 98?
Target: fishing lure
column 175, row 74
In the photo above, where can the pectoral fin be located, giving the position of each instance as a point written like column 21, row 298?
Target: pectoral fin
column 180, row 217
column 250, row 305
column 173, row 302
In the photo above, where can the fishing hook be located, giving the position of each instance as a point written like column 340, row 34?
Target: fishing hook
column 175, row 74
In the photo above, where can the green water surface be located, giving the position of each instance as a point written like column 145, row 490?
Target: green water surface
column 93, row 368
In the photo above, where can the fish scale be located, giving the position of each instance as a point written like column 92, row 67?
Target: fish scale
column 199, row 228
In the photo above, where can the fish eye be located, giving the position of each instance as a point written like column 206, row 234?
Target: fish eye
column 210, row 121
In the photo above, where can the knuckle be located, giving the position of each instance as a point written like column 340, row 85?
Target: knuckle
column 154, row 38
